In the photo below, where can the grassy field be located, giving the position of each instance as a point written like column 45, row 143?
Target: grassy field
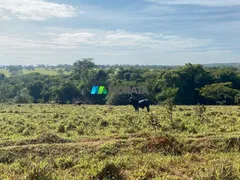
column 102, row 142
column 37, row 70
column 41, row 71
column 4, row 71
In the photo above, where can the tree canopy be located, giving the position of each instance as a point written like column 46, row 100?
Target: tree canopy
column 187, row 85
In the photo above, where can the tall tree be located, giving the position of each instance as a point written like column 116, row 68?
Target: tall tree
column 219, row 93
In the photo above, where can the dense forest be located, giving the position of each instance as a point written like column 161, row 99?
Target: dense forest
column 186, row 85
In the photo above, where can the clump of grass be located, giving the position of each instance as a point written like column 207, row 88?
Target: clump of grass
column 154, row 122
column 27, row 131
column 55, row 115
column 200, row 112
column 187, row 114
column 7, row 157
column 110, row 149
column 220, row 170
column 110, row 171
column 166, row 144
column 232, row 144
column 39, row 171
column 169, row 106
column 130, row 130
column 71, row 126
column 44, row 138
column 104, row 123
column 181, row 109
column 64, row 162
column 179, row 125
column 61, row 129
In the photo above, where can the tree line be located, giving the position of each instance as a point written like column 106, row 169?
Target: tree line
column 185, row 85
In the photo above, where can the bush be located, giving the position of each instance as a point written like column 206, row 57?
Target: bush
column 200, row 112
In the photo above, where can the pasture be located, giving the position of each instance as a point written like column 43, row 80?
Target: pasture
column 43, row 71
column 102, row 142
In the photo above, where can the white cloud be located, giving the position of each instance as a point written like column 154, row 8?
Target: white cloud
column 123, row 39
column 4, row 18
column 75, row 38
column 36, row 9
column 217, row 3
column 105, row 46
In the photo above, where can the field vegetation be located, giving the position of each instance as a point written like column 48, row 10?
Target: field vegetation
column 188, row 85
column 178, row 139
column 43, row 141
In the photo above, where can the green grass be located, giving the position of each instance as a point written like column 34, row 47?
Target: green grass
column 41, row 71
column 4, row 71
column 37, row 70
column 89, row 142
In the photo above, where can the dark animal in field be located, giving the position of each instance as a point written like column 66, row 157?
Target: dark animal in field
column 139, row 104
column 78, row 103
column 61, row 102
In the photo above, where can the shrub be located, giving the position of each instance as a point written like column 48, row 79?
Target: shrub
column 200, row 112
column 169, row 106
column 154, row 122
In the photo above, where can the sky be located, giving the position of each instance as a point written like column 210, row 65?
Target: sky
column 155, row 32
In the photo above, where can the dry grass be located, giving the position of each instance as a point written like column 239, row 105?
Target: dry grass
column 96, row 142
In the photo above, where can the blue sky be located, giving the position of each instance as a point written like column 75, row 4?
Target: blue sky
column 172, row 32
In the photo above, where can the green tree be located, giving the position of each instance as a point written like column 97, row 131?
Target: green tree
column 117, row 99
column 60, row 72
column 6, row 92
column 168, row 93
column 219, row 93
column 15, row 70
column 35, row 89
column 81, row 67
column 23, row 97
column 2, row 76
column 66, row 92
